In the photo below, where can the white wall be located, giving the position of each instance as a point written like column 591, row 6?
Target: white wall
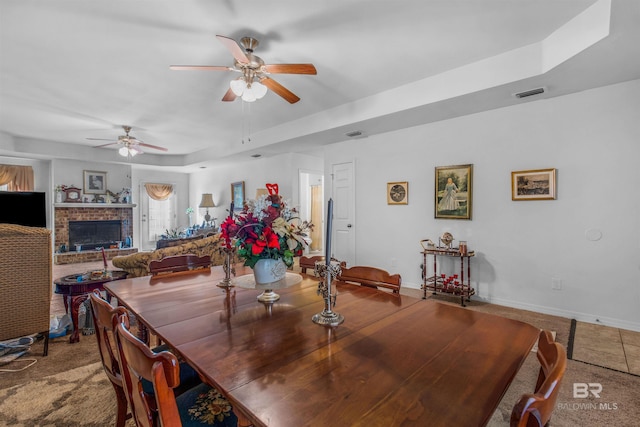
column 590, row 137
column 282, row 170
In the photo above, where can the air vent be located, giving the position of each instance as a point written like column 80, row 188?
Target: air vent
column 530, row 92
column 354, row 133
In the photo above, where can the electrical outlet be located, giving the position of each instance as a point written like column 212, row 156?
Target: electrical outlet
column 556, row 284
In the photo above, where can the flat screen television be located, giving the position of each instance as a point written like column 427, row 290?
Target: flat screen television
column 23, row 208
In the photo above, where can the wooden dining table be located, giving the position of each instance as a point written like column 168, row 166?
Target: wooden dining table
column 396, row 360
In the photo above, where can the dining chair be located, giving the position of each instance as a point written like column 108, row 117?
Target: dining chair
column 200, row 405
column 310, row 262
column 372, row 277
column 536, row 409
column 179, row 264
column 104, row 318
column 103, row 314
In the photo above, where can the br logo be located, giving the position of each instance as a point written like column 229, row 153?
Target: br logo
column 582, row 390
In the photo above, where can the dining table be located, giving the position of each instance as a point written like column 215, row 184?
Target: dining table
column 395, row 360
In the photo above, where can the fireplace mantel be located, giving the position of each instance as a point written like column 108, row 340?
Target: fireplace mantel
column 94, row 205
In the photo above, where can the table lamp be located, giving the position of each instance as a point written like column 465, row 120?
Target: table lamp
column 207, row 202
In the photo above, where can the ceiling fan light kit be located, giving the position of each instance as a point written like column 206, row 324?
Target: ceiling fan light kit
column 130, row 146
column 254, row 82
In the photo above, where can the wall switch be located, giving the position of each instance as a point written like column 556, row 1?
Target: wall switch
column 556, row 284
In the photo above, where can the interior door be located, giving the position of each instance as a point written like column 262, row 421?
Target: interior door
column 343, row 244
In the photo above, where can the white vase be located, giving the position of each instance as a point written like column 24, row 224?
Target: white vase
column 269, row 270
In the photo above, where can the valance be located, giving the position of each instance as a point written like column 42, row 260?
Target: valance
column 17, row 178
column 159, row 191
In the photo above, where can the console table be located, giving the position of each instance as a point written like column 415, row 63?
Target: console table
column 75, row 289
column 456, row 284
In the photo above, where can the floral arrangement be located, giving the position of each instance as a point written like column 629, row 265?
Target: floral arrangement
column 267, row 228
column 189, row 211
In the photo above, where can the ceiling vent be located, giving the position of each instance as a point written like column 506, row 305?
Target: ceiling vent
column 354, row 133
column 530, row 92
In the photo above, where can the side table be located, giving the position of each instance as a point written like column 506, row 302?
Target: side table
column 75, row 289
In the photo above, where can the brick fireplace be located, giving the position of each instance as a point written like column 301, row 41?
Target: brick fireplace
column 95, row 213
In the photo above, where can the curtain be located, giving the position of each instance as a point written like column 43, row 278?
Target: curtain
column 159, row 191
column 17, row 178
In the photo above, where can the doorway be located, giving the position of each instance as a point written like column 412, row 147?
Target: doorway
column 311, row 207
column 156, row 218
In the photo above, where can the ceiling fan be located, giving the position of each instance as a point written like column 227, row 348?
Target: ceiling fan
column 130, row 145
column 254, row 82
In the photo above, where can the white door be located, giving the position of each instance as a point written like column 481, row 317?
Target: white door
column 156, row 218
column 343, row 244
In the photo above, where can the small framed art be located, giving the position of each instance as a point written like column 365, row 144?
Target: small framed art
column 398, row 193
column 453, row 192
column 95, row 182
column 539, row 184
column 237, row 195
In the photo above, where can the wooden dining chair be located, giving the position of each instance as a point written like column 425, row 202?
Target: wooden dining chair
column 310, row 262
column 103, row 314
column 372, row 277
column 200, row 405
column 179, row 264
column 104, row 318
column 536, row 409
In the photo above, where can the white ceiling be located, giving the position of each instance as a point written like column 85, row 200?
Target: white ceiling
column 76, row 69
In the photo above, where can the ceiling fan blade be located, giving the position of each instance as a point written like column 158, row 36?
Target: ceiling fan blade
column 280, row 90
column 105, row 145
column 229, row 96
column 155, row 147
column 290, row 69
column 201, row 68
column 234, row 48
column 100, row 139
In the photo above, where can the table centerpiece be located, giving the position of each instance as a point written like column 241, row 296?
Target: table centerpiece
column 267, row 234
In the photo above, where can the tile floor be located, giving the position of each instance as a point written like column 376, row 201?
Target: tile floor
column 613, row 348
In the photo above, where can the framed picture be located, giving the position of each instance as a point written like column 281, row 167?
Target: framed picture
column 537, row 184
column 453, row 192
column 397, row 193
column 95, row 182
column 237, row 195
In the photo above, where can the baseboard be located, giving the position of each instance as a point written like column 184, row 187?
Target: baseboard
column 579, row 316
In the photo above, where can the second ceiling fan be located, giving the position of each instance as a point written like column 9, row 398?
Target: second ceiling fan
column 254, row 82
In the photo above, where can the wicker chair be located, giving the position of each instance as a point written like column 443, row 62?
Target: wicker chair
column 25, row 281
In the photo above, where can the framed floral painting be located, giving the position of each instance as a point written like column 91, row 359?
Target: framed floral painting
column 539, row 184
column 453, row 192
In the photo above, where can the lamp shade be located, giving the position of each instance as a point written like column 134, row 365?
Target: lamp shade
column 207, row 201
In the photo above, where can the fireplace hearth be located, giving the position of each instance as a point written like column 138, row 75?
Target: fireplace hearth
column 90, row 235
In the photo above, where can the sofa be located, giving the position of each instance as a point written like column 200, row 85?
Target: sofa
column 137, row 264
column 25, row 281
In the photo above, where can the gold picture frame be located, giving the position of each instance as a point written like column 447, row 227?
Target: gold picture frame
column 397, row 193
column 536, row 184
column 453, row 192
column 95, row 182
column 237, row 195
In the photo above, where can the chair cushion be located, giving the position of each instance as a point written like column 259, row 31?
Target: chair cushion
column 204, row 405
